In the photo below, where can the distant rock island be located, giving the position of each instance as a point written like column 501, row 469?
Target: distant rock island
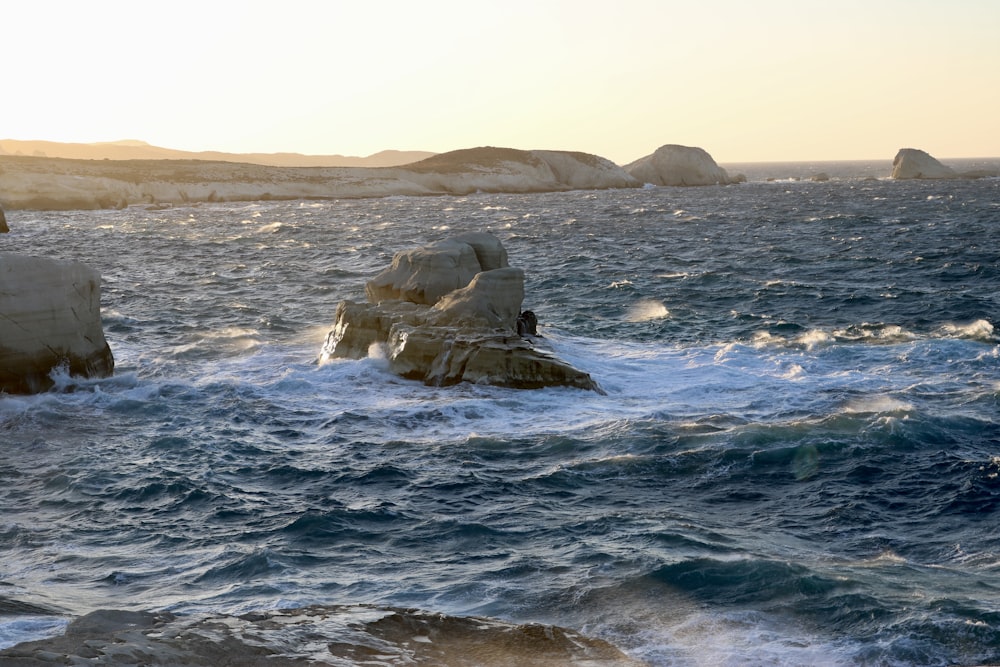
column 913, row 163
column 50, row 183
column 680, row 165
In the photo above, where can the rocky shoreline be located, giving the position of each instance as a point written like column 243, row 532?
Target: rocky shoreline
column 52, row 183
column 38, row 183
column 316, row 635
column 44, row 183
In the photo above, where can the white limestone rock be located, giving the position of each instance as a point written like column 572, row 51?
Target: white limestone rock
column 492, row 300
column 493, row 169
column 443, row 336
column 424, row 275
column 488, row 248
column 913, row 163
column 63, row 184
column 50, row 316
column 680, row 165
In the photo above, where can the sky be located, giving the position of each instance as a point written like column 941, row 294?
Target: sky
column 768, row 80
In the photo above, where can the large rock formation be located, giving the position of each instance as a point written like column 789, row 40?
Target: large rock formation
column 680, row 165
column 62, row 184
column 914, row 163
column 492, row 169
column 447, row 313
column 3, row 223
column 50, row 316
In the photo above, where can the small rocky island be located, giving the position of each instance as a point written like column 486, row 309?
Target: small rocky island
column 913, row 163
column 677, row 165
column 450, row 312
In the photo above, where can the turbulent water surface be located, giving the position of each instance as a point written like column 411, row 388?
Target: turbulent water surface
column 797, row 459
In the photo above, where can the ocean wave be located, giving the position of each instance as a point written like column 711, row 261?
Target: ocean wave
column 792, row 465
column 981, row 330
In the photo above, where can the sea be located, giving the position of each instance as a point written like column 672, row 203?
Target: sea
column 795, row 459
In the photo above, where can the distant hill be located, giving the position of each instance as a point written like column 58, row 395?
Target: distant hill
column 131, row 149
column 60, row 184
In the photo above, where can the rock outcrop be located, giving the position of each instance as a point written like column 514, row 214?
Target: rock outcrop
column 3, row 223
column 62, row 184
column 492, row 169
column 680, row 165
column 912, row 163
column 50, row 317
column 328, row 635
column 450, row 312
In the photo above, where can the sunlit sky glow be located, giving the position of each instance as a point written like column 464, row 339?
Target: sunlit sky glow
column 763, row 80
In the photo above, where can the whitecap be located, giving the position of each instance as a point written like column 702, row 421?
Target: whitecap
column 978, row 330
column 271, row 228
column 646, row 310
column 793, row 372
column 877, row 404
column 811, row 339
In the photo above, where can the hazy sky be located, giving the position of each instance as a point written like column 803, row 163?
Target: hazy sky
column 761, row 80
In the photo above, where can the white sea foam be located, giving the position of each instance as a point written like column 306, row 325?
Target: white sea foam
column 978, row 330
column 877, row 404
column 735, row 639
column 646, row 310
column 813, row 338
column 271, row 228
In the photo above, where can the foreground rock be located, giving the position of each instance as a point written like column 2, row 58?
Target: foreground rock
column 50, row 317
column 310, row 636
column 912, row 163
column 450, row 312
column 680, row 165
column 62, row 184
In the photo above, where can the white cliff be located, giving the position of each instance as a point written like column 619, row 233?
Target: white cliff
column 50, row 316
column 680, row 165
column 60, row 184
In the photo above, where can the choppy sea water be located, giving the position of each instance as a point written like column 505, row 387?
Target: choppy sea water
column 796, row 462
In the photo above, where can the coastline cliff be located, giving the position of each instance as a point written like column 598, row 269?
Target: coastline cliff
column 39, row 183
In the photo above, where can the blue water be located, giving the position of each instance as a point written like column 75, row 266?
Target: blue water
column 797, row 461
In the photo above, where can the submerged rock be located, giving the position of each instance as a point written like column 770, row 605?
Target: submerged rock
column 450, row 312
column 50, row 317
column 680, row 165
column 316, row 635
